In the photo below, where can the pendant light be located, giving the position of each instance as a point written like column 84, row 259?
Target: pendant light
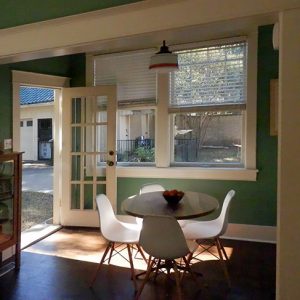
column 163, row 61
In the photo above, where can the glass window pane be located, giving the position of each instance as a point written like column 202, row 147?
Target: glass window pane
column 101, row 109
column 136, row 135
column 75, row 196
column 210, row 75
column 89, row 139
column 76, row 139
column 76, row 110
column 88, row 196
column 101, row 189
column 75, row 167
column 208, row 137
column 101, row 138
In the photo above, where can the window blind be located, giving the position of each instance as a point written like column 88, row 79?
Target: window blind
column 130, row 73
column 214, row 75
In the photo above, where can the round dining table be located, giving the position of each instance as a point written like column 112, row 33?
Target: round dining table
column 192, row 205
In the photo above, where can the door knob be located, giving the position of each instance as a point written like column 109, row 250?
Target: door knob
column 110, row 163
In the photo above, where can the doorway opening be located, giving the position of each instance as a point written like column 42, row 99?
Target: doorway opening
column 36, row 143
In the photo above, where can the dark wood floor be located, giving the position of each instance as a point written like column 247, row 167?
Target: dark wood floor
column 46, row 277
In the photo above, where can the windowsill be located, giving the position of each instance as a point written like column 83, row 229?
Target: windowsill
column 188, row 173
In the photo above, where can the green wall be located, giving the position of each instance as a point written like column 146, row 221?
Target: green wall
column 255, row 202
column 20, row 12
column 70, row 66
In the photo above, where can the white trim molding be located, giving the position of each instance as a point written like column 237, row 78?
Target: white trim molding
column 188, row 173
column 255, row 233
column 78, row 30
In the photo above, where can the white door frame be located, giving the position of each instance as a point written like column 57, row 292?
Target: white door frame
column 20, row 78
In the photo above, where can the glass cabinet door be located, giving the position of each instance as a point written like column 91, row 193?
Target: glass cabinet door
column 6, row 200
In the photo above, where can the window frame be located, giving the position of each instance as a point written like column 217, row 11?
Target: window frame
column 163, row 133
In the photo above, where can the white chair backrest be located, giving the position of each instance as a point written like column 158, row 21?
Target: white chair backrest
column 151, row 187
column 162, row 237
column 223, row 217
column 106, row 214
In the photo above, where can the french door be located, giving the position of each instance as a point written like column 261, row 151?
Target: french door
column 88, row 152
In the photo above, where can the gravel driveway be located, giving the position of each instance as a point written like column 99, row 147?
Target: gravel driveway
column 37, row 198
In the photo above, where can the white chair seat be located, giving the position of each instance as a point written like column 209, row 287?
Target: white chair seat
column 116, row 232
column 211, row 230
column 197, row 230
column 121, row 232
column 162, row 238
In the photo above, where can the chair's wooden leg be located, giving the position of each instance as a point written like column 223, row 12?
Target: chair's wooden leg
column 131, row 266
column 157, row 269
column 111, row 251
column 177, row 278
column 149, row 269
column 100, row 264
column 223, row 262
column 223, row 249
column 142, row 252
column 188, row 269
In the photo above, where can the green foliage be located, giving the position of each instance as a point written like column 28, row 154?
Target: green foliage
column 144, row 154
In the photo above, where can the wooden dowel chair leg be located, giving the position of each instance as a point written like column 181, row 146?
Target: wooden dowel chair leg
column 149, row 269
column 111, row 252
column 223, row 262
column 177, row 278
column 131, row 266
column 223, row 249
column 100, row 264
column 142, row 252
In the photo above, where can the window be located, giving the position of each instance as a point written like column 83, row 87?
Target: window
column 207, row 100
column 200, row 120
column 29, row 123
column 136, row 95
column 136, row 136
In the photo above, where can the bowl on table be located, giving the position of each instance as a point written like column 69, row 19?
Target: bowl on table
column 173, row 196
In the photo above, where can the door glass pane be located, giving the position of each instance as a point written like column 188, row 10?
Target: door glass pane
column 88, row 196
column 89, row 138
column 76, row 139
column 208, row 137
column 89, row 166
column 101, row 138
column 75, row 196
column 76, row 110
column 101, row 189
column 136, row 135
column 75, row 167
column 89, row 105
column 101, row 109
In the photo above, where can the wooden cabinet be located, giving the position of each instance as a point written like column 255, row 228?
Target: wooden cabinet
column 10, row 204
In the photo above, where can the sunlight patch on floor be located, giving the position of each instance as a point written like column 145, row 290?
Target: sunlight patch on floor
column 89, row 246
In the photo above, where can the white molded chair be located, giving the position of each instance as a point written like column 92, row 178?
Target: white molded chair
column 115, row 231
column 213, row 229
column 164, row 245
column 151, row 187
column 148, row 188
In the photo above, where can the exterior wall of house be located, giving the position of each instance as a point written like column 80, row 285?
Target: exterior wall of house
column 33, row 112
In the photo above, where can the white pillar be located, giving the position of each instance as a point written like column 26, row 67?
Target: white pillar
column 288, row 248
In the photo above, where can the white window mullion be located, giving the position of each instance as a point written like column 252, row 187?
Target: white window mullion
column 162, row 126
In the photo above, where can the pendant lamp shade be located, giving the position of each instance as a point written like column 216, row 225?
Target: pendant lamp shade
column 164, row 61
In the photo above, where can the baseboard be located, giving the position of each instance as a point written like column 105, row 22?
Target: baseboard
column 257, row 233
